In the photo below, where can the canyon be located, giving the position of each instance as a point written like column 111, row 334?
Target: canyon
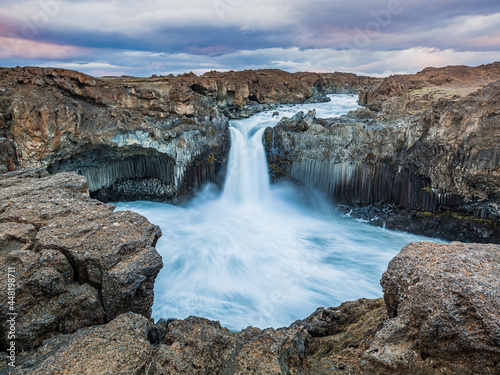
column 423, row 155
column 173, row 130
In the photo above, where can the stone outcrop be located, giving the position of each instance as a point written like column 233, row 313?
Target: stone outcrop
column 436, row 155
column 77, row 263
column 443, row 305
column 441, row 316
column 171, row 129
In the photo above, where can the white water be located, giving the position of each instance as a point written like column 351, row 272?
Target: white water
column 257, row 254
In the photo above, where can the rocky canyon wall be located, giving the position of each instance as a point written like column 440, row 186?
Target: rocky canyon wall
column 428, row 144
column 145, row 137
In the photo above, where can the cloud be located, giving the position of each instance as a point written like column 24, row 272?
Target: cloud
column 163, row 36
column 12, row 47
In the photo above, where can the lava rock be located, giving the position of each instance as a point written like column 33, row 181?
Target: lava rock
column 77, row 263
column 443, row 305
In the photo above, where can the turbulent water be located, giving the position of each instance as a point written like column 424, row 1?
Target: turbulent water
column 260, row 254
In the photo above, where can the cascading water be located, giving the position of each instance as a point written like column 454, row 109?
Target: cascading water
column 258, row 255
column 247, row 178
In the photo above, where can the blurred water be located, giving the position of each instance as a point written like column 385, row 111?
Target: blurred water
column 259, row 254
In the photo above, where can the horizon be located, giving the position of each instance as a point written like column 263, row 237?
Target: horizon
column 243, row 70
column 374, row 38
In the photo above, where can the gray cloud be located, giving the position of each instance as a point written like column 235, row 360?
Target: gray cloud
column 367, row 36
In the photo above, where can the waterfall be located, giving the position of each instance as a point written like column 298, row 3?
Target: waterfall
column 247, row 177
column 257, row 254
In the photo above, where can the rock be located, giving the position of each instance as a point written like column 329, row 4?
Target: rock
column 77, row 262
column 298, row 123
column 275, row 113
column 443, row 305
column 441, row 160
column 119, row 347
column 197, row 345
column 192, row 346
column 173, row 129
column 334, row 320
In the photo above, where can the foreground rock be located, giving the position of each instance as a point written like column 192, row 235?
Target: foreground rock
column 119, row 131
column 429, row 148
column 77, row 263
column 443, row 305
column 441, row 316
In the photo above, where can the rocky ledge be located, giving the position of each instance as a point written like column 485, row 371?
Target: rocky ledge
column 77, row 262
column 119, row 131
column 423, row 155
column 84, row 283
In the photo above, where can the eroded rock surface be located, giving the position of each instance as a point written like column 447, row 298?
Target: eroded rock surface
column 77, row 263
column 171, row 129
column 436, row 156
column 443, row 304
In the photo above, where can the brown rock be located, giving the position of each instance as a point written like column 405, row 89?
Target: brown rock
column 120, row 347
column 437, row 158
column 77, row 262
column 196, row 345
column 443, row 304
column 125, row 128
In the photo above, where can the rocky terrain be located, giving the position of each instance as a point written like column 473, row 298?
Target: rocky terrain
column 118, row 131
column 84, row 278
column 77, row 262
column 423, row 154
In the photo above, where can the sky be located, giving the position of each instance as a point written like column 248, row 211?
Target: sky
column 146, row 37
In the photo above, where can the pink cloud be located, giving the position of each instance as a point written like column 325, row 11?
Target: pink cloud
column 487, row 41
column 31, row 49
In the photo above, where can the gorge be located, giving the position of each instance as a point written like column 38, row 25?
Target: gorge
column 422, row 155
column 264, row 255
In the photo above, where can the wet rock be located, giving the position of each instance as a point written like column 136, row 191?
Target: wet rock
column 443, row 305
column 77, row 262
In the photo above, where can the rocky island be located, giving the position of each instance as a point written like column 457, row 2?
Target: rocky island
column 422, row 155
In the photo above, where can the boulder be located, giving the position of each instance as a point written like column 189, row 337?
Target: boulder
column 120, row 347
column 76, row 262
column 443, row 308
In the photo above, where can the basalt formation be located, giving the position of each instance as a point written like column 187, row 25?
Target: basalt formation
column 424, row 151
column 423, row 154
column 84, row 277
column 142, row 138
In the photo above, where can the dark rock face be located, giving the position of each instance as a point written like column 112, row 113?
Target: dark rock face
column 443, row 304
column 429, row 153
column 173, row 129
column 191, row 346
column 197, row 345
column 77, row 262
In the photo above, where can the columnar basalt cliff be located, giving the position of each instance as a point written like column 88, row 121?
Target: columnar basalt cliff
column 428, row 144
column 118, row 132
